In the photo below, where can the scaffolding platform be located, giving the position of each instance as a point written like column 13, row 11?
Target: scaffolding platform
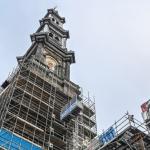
column 72, row 108
column 125, row 134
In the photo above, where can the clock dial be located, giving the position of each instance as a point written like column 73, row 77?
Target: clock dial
column 51, row 62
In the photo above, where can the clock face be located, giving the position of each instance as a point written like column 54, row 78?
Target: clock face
column 51, row 62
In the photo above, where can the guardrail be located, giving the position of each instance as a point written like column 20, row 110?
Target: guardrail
column 70, row 107
column 116, row 129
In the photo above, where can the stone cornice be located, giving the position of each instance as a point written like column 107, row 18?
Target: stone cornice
column 44, row 21
column 43, row 38
column 55, row 12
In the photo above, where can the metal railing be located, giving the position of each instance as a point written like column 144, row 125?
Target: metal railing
column 69, row 107
column 116, row 129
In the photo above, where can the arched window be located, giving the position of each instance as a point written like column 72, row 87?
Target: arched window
column 53, row 19
column 57, row 38
column 57, row 22
column 51, row 35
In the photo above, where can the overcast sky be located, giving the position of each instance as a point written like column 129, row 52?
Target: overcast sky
column 111, row 39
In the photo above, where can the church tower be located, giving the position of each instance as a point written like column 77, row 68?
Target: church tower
column 40, row 108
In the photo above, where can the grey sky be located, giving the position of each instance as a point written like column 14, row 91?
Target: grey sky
column 111, row 39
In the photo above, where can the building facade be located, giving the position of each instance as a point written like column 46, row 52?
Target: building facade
column 40, row 108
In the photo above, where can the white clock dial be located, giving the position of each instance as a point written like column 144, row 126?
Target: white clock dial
column 51, row 62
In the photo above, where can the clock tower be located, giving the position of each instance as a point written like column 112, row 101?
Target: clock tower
column 41, row 109
column 49, row 45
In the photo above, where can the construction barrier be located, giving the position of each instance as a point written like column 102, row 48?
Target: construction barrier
column 11, row 141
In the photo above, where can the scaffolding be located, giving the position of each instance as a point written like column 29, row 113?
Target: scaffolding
column 31, row 110
column 34, row 99
column 80, row 116
column 125, row 134
column 32, row 105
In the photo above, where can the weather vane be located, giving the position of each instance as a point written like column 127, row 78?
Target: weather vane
column 55, row 8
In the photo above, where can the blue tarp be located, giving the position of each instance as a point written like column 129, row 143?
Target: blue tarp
column 108, row 135
column 10, row 141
